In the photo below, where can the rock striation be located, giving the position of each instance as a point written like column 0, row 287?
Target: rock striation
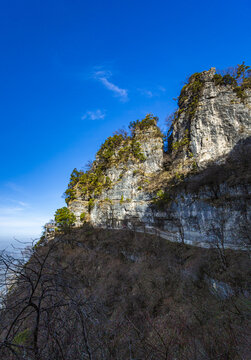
column 198, row 192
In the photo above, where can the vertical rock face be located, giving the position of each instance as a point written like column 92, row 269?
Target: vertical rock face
column 210, row 201
column 125, row 198
column 220, row 121
column 152, row 148
column 126, row 201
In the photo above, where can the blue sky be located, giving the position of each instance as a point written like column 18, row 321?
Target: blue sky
column 74, row 71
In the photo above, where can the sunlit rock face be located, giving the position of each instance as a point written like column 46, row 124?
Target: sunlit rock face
column 126, row 199
column 198, row 212
column 221, row 120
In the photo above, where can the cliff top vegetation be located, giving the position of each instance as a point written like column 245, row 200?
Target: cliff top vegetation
column 123, row 146
column 116, row 149
column 238, row 77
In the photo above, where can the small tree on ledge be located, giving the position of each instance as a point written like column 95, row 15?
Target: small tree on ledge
column 143, row 124
column 64, row 219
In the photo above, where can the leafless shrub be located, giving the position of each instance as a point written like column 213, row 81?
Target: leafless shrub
column 117, row 295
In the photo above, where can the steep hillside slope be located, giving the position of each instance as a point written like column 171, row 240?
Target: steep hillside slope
column 112, row 294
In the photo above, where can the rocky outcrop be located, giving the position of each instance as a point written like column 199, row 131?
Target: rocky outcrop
column 125, row 199
column 202, row 196
column 220, row 121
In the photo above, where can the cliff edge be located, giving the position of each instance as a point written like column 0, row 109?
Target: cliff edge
column 198, row 190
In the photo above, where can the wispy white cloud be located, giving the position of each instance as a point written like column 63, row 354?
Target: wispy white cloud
column 24, row 204
column 103, row 76
column 94, row 115
column 158, row 91
column 6, row 210
column 146, row 93
column 122, row 93
column 18, row 202
column 161, row 88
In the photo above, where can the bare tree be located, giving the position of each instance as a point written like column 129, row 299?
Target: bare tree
column 217, row 232
column 39, row 304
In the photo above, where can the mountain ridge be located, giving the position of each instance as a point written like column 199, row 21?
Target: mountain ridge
column 134, row 182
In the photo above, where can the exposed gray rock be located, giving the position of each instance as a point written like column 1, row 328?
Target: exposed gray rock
column 220, row 121
column 219, row 288
column 211, row 215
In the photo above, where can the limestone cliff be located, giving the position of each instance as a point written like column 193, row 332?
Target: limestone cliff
column 198, row 192
column 124, row 198
column 218, row 120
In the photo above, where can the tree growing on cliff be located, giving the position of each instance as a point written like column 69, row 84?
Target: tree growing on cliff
column 242, row 73
column 64, row 219
column 143, row 124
